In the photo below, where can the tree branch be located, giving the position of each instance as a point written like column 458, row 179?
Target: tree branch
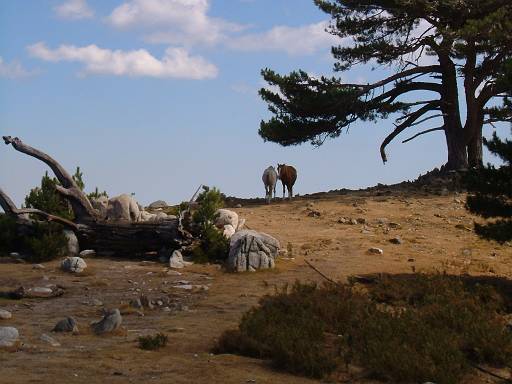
column 423, row 132
column 80, row 204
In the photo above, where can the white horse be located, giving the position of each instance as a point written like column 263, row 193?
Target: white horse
column 270, row 180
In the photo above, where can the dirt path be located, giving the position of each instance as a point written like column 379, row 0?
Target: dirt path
column 435, row 232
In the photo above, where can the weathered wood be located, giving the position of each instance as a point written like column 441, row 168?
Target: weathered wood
column 80, row 204
column 119, row 238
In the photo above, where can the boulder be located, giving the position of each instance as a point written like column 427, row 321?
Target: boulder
column 100, row 204
column 87, row 252
column 9, row 337
column 111, row 321
column 5, row 315
column 73, row 264
column 176, row 260
column 123, row 208
column 158, row 204
column 66, row 325
column 250, row 250
column 228, row 231
column 73, row 247
column 226, row 217
column 40, row 292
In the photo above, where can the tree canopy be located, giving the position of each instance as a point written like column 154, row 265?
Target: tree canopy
column 432, row 46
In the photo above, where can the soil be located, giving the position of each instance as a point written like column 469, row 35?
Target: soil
column 436, row 235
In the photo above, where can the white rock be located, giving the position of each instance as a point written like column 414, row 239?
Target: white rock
column 73, row 264
column 40, row 292
column 87, row 252
column 228, row 231
column 176, row 260
column 376, row 251
column 38, row 266
column 5, row 314
column 158, row 204
column 50, row 340
column 250, row 250
column 9, row 337
column 110, row 322
column 226, row 217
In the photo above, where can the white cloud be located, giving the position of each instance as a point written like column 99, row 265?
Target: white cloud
column 292, row 40
column 13, row 70
column 173, row 21
column 176, row 62
column 74, row 10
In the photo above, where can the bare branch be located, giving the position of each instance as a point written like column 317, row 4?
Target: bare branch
column 423, row 132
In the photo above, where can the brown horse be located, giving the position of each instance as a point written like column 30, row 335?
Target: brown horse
column 287, row 174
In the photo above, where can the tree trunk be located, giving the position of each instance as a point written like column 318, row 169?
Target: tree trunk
column 123, row 238
column 457, row 155
column 475, row 152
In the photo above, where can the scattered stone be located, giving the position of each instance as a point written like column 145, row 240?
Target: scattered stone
column 396, row 240
column 250, row 250
column 136, row 303
column 176, row 260
column 394, row 225
column 146, row 303
column 16, row 255
column 88, row 253
column 184, row 286
column 173, row 273
column 226, row 217
column 238, row 206
column 361, row 220
column 111, row 321
column 462, row 226
column 158, row 204
column 376, row 251
column 9, row 337
column 314, row 213
column 342, row 220
column 97, row 303
column 411, row 260
column 4, row 314
column 73, row 247
column 353, row 222
column 40, row 292
column 382, row 220
column 73, row 264
column 50, row 340
column 68, row 324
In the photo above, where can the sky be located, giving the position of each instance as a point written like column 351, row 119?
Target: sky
column 155, row 97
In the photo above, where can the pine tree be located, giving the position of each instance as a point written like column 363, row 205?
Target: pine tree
column 469, row 40
column 491, row 192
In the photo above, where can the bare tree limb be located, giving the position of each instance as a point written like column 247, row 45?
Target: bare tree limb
column 423, row 132
column 80, row 204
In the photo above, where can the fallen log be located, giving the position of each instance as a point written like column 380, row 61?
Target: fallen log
column 117, row 238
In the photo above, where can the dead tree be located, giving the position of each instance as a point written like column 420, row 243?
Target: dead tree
column 119, row 238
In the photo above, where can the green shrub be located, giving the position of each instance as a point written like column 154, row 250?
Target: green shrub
column 213, row 246
column 153, row 342
column 47, row 199
column 414, row 329
column 46, row 243
column 9, row 239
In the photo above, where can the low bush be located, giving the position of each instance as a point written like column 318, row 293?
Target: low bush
column 421, row 328
column 153, row 342
column 9, row 239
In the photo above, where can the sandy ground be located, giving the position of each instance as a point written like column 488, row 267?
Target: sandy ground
column 436, row 235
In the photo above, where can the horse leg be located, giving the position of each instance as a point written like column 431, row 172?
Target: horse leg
column 290, row 192
column 283, row 190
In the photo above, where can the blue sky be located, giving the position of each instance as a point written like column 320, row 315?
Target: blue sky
column 155, row 97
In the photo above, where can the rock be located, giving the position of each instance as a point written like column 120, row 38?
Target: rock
column 15, row 255
column 40, row 292
column 146, row 303
column 176, row 260
column 314, row 213
column 68, row 324
column 238, row 206
column 353, row 222
column 396, row 240
column 4, row 315
column 100, row 204
column 394, row 225
column 111, row 321
column 73, row 264
column 87, row 253
column 382, row 220
column 9, row 337
column 136, row 303
column 226, row 217
column 123, row 208
column 38, row 266
column 96, row 302
column 342, row 220
column 376, row 251
column 50, row 340
column 361, row 220
column 158, row 204
column 73, row 247
column 250, row 250
column 228, row 231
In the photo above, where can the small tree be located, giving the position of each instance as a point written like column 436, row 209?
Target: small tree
column 492, row 192
column 47, row 199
